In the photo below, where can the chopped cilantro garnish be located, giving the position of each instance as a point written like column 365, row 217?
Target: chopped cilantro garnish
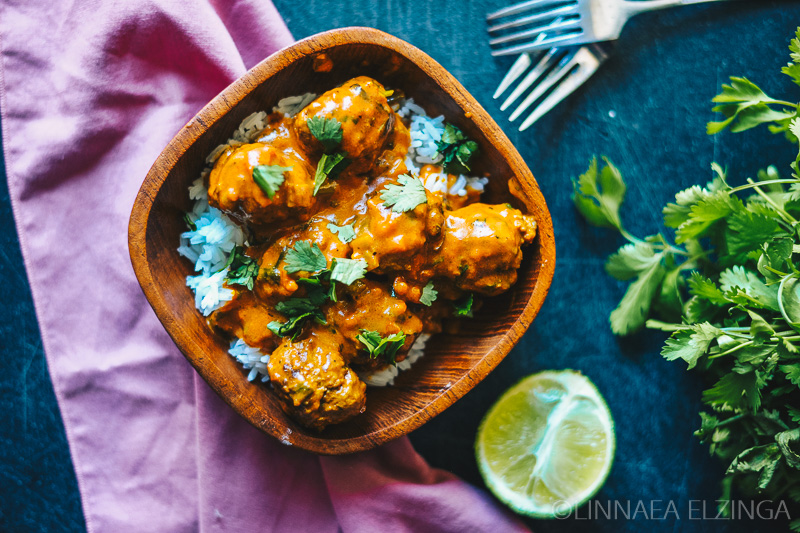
column 346, row 233
column 189, row 222
column 329, row 165
column 294, row 326
column 406, row 196
column 456, row 150
column 269, row 178
column 348, row 270
column 463, row 306
column 428, row 294
column 328, row 131
column 304, row 257
column 378, row 346
column 243, row 269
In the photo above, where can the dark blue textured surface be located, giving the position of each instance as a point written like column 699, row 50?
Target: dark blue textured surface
column 646, row 109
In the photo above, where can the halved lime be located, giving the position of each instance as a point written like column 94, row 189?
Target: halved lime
column 547, row 445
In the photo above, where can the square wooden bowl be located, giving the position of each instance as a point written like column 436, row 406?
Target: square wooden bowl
column 453, row 364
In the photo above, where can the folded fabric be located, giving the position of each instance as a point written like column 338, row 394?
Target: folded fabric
column 91, row 91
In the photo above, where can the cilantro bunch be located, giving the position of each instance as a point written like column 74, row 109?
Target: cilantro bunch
column 727, row 287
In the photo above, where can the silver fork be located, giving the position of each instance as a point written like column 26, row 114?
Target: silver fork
column 559, row 71
column 567, row 22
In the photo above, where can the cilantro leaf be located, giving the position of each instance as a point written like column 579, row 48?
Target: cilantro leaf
column 735, row 391
column 428, row 294
column 348, row 270
column 678, row 213
column 346, row 233
column 597, row 194
column 406, row 196
column 269, row 178
column 706, row 212
column 703, row 287
column 745, row 106
column 793, row 69
column 748, row 231
column 761, row 460
column 631, row 260
column 456, row 150
column 378, row 346
column 328, row 131
column 631, row 313
column 690, row 344
column 792, row 373
column 328, row 165
column 294, row 326
column 299, row 310
column 304, row 258
column 744, row 287
column 189, row 222
column 463, row 306
column 243, row 269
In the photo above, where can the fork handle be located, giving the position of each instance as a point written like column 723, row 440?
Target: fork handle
column 641, row 6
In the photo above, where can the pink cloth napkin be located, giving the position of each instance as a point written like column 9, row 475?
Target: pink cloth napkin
column 91, row 92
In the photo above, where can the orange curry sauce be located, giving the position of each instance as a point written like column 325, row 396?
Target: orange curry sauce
column 449, row 242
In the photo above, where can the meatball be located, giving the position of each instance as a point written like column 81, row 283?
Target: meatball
column 481, row 247
column 390, row 241
column 313, row 382
column 233, row 189
column 365, row 117
column 273, row 280
column 368, row 305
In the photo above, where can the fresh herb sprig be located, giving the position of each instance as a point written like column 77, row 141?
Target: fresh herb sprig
column 319, row 288
column 378, row 346
column 728, row 290
column 328, row 131
column 457, row 150
column 346, row 233
column 269, row 178
column 242, row 269
column 406, row 196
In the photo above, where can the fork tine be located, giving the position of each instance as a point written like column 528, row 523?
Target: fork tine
column 545, row 62
column 565, row 65
column 525, row 6
column 520, row 65
column 565, row 39
column 588, row 60
column 555, row 26
column 524, row 21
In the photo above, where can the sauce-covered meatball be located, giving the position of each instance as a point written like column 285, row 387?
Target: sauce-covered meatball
column 310, row 375
column 366, row 120
column 481, row 250
column 233, row 188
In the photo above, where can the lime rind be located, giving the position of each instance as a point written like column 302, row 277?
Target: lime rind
column 555, row 399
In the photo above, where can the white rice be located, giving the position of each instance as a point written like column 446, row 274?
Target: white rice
column 251, row 358
column 425, row 132
column 292, row 105
column 209, row 245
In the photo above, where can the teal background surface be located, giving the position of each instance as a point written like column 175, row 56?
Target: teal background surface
column 646, row 110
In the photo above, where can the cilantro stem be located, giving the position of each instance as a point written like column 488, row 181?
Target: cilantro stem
column 780, row 300
column 781, row 102
column 752, row 184
column 786, row 216
column 731, row 419
column 735, row 348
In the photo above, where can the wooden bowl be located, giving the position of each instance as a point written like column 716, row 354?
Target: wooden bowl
column 453, row 364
